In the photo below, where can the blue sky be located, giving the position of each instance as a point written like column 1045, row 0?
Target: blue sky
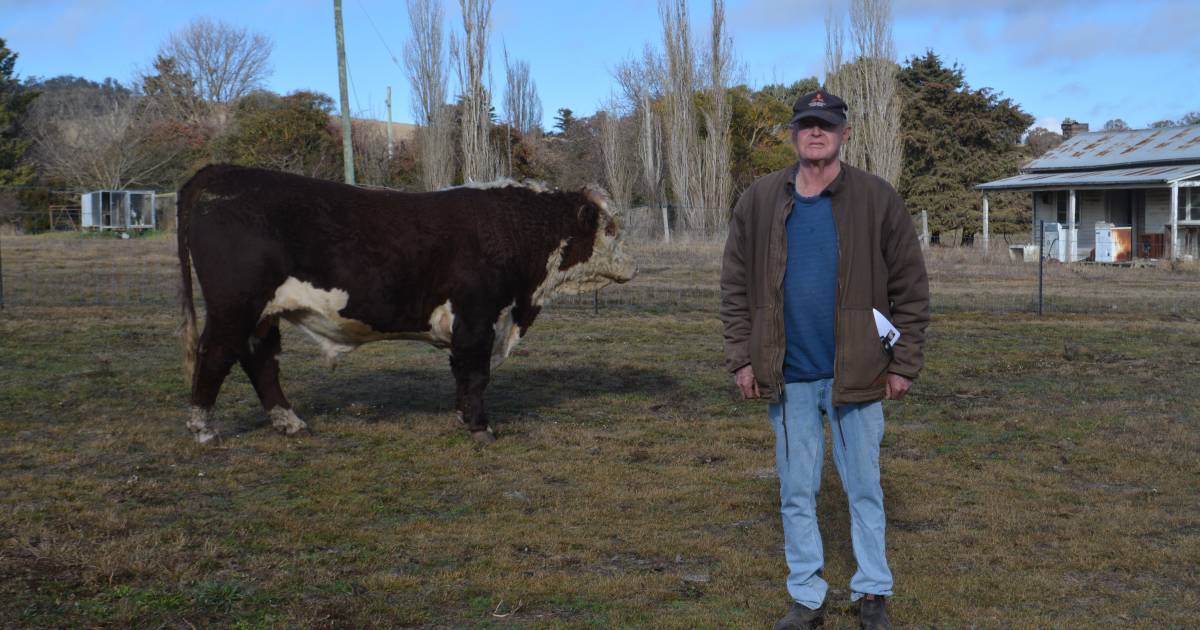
column 1092, row 60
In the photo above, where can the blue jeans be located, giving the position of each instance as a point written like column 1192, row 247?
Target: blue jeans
column 856, row 431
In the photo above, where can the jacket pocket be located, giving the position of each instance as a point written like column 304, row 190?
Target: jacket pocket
column 864, row 360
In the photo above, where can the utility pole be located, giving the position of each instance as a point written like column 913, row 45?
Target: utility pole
column 391, row 151
column 347, row 145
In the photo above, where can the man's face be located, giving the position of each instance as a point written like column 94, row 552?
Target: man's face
column 818, row 141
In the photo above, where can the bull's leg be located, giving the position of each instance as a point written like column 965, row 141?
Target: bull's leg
column 470, row 361
column 261, row 365
column 215, row 357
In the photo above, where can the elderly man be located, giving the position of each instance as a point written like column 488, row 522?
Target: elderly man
column 822, row 270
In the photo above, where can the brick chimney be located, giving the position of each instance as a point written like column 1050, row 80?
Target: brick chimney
column 1071, row 128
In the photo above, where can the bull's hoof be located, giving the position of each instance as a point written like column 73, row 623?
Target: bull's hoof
column 285, row 421
column 207, row 436
column 198, row 424
column 485, row 436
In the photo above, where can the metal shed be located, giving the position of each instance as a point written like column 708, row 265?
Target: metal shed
column 1142, row 179
column 117, row 210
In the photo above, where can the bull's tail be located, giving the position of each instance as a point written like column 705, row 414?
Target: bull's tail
column 188, row 337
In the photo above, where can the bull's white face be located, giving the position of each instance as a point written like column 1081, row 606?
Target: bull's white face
column 607, row 264
column 612, row 263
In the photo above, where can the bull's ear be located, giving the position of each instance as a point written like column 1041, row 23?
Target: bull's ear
column 587, row 214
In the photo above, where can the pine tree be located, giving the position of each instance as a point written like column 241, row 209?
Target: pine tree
column 564, row 119
column 954, row 138
column 14, row 101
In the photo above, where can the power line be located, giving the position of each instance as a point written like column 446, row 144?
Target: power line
column 354, row 88
column 380, row 36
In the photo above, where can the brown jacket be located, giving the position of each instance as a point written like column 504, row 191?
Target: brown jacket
column 879, row 266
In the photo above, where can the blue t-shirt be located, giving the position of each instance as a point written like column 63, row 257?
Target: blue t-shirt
column 810, row 289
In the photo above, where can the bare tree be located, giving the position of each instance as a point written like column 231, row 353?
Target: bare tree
column 1040, row 140
column 871, row 28
column 683, row 169
column 868, row 85
column 173, row 91
column 371, row 164
column 650, row 158
column 425, row 61
column 717, row 182
column 224, row 62
column 96, row 141
column 643, row 82
column 522, row 107
column 618, row 167
column 470, row 55
column 697, row 163
column 837, row 81
column 641, row 78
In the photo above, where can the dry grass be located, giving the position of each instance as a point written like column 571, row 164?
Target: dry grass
column 1043, row 473
column 962, row 280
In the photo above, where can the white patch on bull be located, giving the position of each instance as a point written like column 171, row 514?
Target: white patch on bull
column 198, row 424
column 441, row 325
column 207, row 196
column 554, row 276
column 606, row 265
column 507, row 335
column 505, row 182
column 286, row 420
column 317, row 313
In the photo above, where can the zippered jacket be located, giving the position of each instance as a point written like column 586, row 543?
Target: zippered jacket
column 880, row 266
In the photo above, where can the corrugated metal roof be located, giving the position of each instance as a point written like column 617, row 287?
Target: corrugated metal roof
column 1099, row 149
column 1161, row 175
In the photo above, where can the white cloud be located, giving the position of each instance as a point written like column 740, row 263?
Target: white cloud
column 1048, row 122
column 1073, row 90
column 779, row 16
column 961, row 8
column 1066, row 38
column 57, row 25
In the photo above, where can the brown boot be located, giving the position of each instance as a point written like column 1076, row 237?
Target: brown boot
column 801, row 617
column 872, row 613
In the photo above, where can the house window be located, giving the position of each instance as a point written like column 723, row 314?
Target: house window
column 1061, row 199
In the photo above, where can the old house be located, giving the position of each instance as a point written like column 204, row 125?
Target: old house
column 1141, row 184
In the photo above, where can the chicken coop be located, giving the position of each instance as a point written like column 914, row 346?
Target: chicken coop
column 117, row 210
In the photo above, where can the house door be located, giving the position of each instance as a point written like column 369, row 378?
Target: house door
column 1142, row 248
column 1120, row 207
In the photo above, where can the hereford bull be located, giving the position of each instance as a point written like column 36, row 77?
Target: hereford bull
column 467, row 269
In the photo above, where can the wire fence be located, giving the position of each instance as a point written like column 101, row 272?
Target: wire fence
column 70, row 269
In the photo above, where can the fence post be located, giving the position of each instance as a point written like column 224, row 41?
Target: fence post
column 1041, row 259
column 985, row 224
column 925, row 229
column 1, row 280
column 666, row 226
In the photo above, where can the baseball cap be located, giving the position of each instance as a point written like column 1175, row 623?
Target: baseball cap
column 820, row 105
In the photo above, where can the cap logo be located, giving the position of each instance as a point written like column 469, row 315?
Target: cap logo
column 817, row 101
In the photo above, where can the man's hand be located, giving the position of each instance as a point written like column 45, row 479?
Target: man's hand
column 746, row 383
column 896, row 387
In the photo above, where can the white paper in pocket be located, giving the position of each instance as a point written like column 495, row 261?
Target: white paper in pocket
column 888, row 335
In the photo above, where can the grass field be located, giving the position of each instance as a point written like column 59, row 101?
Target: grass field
column 1043, row 472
